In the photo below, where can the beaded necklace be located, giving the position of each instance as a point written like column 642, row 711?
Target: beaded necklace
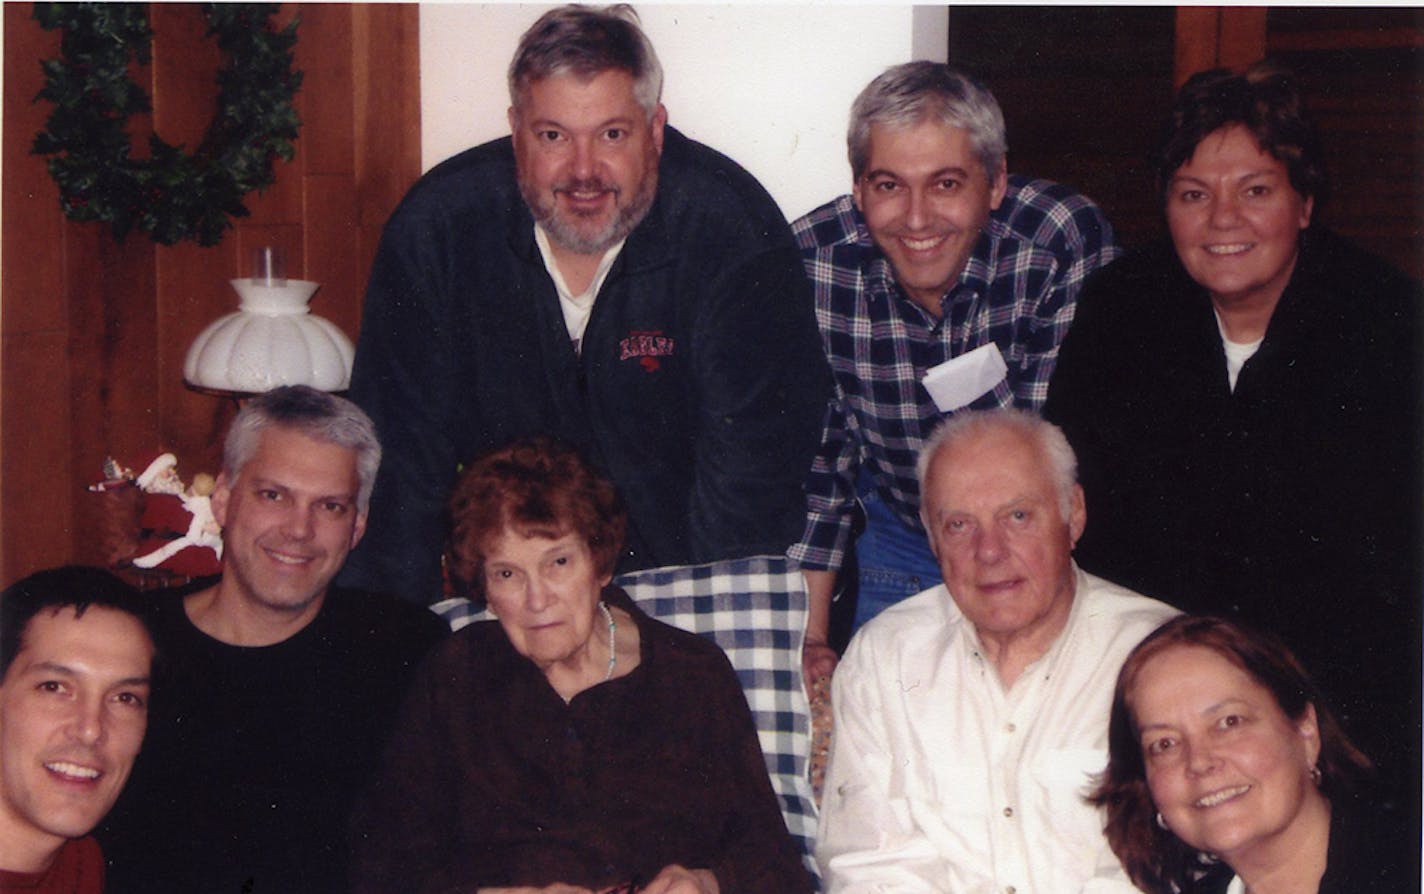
column 612, row 646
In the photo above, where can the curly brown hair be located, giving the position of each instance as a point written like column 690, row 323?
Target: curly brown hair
column 1157, row 861
column 538, row 487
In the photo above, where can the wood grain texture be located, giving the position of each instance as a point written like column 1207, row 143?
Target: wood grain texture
column 93, row 332
column 35, row 469
column 1241, row 37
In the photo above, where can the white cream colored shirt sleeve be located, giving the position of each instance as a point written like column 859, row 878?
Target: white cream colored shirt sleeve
column 942, row 781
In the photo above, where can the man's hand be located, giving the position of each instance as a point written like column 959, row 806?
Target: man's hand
column 818, row 659
column 676, row 879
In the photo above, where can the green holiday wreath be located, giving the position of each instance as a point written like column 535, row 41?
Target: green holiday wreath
column 171, row 195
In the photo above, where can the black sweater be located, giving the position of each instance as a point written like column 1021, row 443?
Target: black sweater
column 254, row 755
column 1293, row 502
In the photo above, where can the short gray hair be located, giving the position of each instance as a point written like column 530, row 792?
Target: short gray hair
column 315, row 414
column 586, row 41
column 1048, row 438
column 910, row 94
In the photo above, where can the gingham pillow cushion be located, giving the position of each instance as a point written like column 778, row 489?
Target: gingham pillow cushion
column 755, row 609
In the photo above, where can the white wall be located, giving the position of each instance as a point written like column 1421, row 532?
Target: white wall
column 770, row 86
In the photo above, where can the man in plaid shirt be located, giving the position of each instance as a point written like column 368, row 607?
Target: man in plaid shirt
column 936, row 252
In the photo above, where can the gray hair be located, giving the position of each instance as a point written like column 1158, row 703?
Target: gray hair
column 586, row 41
column 907, row 95
column 1051, row 443
column 315, row 414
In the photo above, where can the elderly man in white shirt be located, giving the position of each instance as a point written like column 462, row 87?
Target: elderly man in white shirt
column 971, row 718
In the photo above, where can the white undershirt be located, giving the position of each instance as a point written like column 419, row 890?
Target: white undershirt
column 577, row 308
column 1237, row 353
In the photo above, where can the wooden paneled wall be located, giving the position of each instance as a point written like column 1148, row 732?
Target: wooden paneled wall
column 1364, row 76
column 1217, row 37
column 93, row 332
column 1084, row 118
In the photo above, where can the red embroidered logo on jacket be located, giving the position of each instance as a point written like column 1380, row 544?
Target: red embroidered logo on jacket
column 646, row 347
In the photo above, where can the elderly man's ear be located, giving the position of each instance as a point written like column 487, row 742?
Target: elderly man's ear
column 1077, row 514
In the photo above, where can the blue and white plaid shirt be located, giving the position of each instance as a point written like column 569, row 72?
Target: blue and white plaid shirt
column 1019, row 289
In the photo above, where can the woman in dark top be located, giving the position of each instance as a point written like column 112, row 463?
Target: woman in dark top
column 576, row 745
column 1244, row 399
column 1227, row 773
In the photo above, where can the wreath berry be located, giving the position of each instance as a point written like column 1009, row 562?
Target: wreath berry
column 171, row 195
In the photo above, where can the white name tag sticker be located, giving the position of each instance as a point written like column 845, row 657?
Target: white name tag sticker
column 958, row 382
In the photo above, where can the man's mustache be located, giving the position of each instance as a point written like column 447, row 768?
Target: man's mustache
column 592, row 184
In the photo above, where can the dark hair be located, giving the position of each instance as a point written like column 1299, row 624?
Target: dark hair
column 1155, row 859
column 538, row 487
column 586, row 41
column 1263, row 99
column 315, row 414
column 73, row 586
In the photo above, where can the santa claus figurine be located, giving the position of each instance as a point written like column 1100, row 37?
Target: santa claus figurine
column 178, row 530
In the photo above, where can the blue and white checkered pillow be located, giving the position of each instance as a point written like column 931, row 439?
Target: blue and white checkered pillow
column 755, row 609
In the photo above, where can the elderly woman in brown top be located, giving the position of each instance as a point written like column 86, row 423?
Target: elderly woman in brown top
column 576, row 745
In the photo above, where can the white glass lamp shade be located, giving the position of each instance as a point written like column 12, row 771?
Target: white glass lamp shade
column 272, row 340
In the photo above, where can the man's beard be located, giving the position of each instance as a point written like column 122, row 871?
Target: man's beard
column 564, row 228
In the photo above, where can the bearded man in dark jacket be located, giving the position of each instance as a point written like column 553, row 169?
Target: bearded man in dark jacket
column 604, row 279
